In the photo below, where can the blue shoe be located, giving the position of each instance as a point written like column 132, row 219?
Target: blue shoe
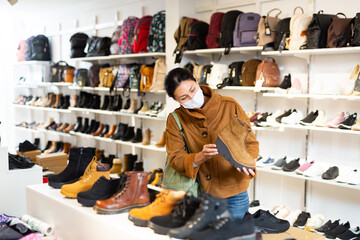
column 267, row 162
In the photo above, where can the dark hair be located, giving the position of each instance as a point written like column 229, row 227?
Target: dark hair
column 174, row 78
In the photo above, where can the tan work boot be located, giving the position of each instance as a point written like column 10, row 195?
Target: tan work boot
column 57, row 100
column 98, row 153
column 132, row 106
column 111, row 131
column 68, row 129
column 117, row 166
column 144, row 108
column 164, row 203
column 92, row 173
column 66, row 148
column 231, row 144
column 147, row 137
column 158, row 177
column 162, row 141
column 51, row 100
column 134, row 194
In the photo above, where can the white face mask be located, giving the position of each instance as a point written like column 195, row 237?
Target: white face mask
column 196, row 102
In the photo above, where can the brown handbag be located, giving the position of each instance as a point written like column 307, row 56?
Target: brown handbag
column 268, row 71
column 248, row 72
column 69, row 74
column 147, row 75
column 336, row 28
column 267, row 28
column 106, row 76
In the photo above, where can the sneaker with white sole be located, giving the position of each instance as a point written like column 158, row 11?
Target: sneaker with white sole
column 316, row 170
column 278, row 165
column 269, row 161
column 320, row 120
column 293, row 216
column 293, row 118
column 350, row 234
column 271, row 120
column 314, row 222
column 304, row 167
column 354, row 177
column 336, row 120
column 283, row 213
column 296, row 87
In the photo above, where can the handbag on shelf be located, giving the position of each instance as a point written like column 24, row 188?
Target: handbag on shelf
column 147, row 75
column 266, row 32
column 99, row 46
column 159, row 75
column 205, row 74
column 269, row 72
column 248, row 72
column 234, row 78
column 245, row 29
column 213, row 37
column 298, row 29
column 81, row 77
column 227, row 30
column 282, row 33
column 174, row 180
column 197, row 34
column 69, row 74
column 355, row 39
column 339, row 32
column 106, row 77
column 318, row 29
column 58, row 71
column 219, row 72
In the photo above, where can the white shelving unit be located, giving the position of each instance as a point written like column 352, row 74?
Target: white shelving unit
column 47, row 109
column 312, row 96
column 120, row 57
column 234, row 50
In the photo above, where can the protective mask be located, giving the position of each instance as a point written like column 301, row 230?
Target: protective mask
column 196, row 102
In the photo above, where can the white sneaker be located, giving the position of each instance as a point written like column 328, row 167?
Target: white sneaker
column 347, row 86
column 162, row 113
column 293, row 118
column 291, row 218
column 354, row 177
column 316, row 170
column 321, row 120
column 296, row 87
column 275, row 210
column 343, row 175
column 283, row 213
column 271, row 119
column 314, row 222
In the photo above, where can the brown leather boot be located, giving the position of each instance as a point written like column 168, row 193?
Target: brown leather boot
column 134, row 194
column 51, row 100
column 98, row 153
column 117, row 166
column 62, row 127
column 66, row 148
column 68, row 129
column 231, row 144
column 58, row 96
column 52, row 147
column 111, row 131
column 162, row 141
column 147, row 136
column 99, row 130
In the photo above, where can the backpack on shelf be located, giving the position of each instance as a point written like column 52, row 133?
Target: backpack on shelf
column 122, row 76
column 318, row 29
column 245, row 29
column 114, row 47
column 299, row 24
column 69, row 74
column 81, row 77
column 156, row 38
column 227, row 30
column 106, row 76
column 159, row 75
column 234, row 78
column 248, row 72
column 21, row 51
column 127, row 35
column 40, row 48
column 180, row 36
column 141, row 34
column 219, row 72
column 269, row 72
column 27, row 51
column 147, row 74
column 338, row 34
column 355, row 40
column 93, row 74
column 282, row 33
column 99, row 46
column 205, row 74
column 197, row 34
column 134, row 77
column 58, row 71
column 213, row 37
column 267, row 29
column 78, row 43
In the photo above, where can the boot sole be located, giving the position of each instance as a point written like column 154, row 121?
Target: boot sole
column 120, row 210
column 245, row 237
column 68, row 195
column 138, row 221
column 224, row 151
column 58, row 185
column 158, row 229
column 90, row 202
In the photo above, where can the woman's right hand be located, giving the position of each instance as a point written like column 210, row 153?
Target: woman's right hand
column 209, row 151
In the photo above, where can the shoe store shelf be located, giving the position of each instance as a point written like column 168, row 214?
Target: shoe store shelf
column 282, row 127
column 48, row 109
column 314, row 96
column 43, row 131
column 105, row 112
column 50, row 206
column 32, row 63
column 313, row 179
column 104, row 89
column 26, row 129
column 159, row 189
column 249, row 89
column 309, row 52
column 234, row 50
column 123, row 56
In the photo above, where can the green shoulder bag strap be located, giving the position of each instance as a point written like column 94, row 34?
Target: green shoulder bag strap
column 177, row 120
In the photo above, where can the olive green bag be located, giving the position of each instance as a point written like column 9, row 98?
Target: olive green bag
column 174, row 180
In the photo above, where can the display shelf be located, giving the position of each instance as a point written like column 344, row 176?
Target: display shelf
column 89, row 110
column 313, row 179
column 139, row 116
column 43, row 84
column 47, row 109
column 234, row 50
column 26, row 129
column 313, row 128
column 123, row 56
column 32, row 63
column 139, row 145
column 104, row 89
column 159, row 189
column 40, row 130
column 314, row 96
column 51, row 206
column 249, row 89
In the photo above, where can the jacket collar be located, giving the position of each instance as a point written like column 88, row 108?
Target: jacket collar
column 209, row 109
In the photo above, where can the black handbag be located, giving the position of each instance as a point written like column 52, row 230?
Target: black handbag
column 318, row 29
column 355, row 40
column 189, row 66
column 57, row 71
column 99, row 46
column 282, row 32
column 234, row 78
column 78, row 43
column 205, row 74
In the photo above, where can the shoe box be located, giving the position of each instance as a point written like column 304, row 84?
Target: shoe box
column 31, row 154
column 294, row 233
column 55, row 162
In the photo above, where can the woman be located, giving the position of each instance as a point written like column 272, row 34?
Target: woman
column 203, row 114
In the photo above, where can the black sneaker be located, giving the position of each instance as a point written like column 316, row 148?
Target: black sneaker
column 27, row 146
column 333, row 233
column 21, row 162
column 285, row 114
column 102, row 189
column 291, row 166
column 350, row 234
column 254, row 203
column 309, row 118
column 225, row 228
column 331, row 173
column 265, row 222
column 327, row 227
column 302, row 219
column 261, row 122
column 279, row 164
column 210, row 210
column 178, row 217
column 286, row 83
column 349, row 121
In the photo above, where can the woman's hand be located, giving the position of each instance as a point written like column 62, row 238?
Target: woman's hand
column 209, row 151
column 247, row 172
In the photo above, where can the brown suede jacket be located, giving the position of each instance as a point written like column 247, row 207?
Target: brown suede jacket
column 201, row 126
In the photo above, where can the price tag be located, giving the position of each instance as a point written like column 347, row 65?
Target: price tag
column 258, row 85
column 267, row 28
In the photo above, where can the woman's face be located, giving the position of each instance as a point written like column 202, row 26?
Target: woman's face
column 186, row 91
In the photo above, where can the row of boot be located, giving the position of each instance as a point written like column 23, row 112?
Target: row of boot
column 50, row 100
column 49, row 125
column 57, row 146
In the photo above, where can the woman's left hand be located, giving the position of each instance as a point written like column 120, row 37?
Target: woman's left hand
column 247, row 172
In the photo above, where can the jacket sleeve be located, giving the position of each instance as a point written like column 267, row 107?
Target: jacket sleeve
column 179, row 159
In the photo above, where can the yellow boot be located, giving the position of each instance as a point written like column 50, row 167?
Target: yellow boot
column 164, row 203
column 162, row 141
column 117, row 166
column 158, row 177
column 92, row 173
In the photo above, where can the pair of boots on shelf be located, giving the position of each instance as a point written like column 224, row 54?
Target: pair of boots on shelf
column 155, row 177
column 124, row 132
column 157, row 109
column 87, row 100
column 58, row 101
column 54, row 146
column 128, row 163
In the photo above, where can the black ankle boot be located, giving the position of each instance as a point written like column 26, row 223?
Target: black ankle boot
column 129, row 134
column 117, row 103
column 47, row 146
column 90, row 100
column 138, row 136
column 141, row 105
column 106, row 130
column 66, row 103
column 91, row 127
column 79, row 159
column 111, row 103
column 139, row 166
column 105, row 103
column 37, row 143
column 96, row 126
column 84, row 99
column 26, row 146
column 78, row 124
column 120, row 131
column 85, row 126
column 96, row 102
column 61, row 102
column 58, row 147
column 127, row 104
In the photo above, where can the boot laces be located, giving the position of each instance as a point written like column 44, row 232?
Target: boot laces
column 127, row 182
column 89, row 170
column 181, row 209
column 160, row 198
